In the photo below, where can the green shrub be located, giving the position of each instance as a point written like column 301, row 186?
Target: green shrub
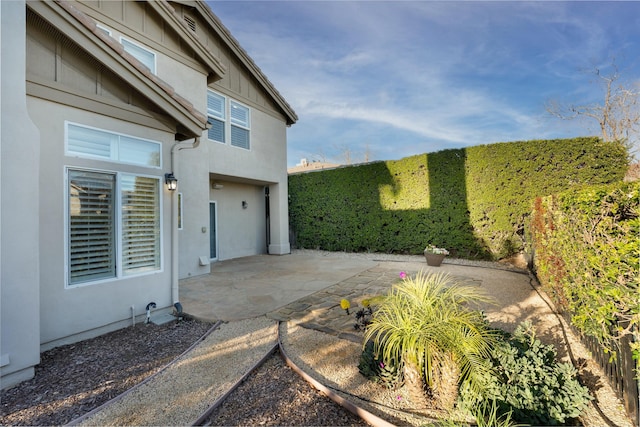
column 587, row 256
column 472, row 201
column 528, row 382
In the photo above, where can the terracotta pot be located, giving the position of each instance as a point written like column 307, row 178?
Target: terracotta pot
column 434, row 260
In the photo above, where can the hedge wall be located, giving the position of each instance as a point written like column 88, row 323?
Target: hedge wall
column 587, row 256
column 472, row 201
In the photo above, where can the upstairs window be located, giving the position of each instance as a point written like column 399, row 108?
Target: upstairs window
column 216, row 117
column 239, row 125
column 142, row 54
column 229, row 120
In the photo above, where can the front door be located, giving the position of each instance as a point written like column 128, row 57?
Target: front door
column 213, row 238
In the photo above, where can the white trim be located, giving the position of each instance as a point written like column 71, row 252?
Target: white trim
column 105, row 29
column 228, row 121
column 141, row 47
column 114, row 150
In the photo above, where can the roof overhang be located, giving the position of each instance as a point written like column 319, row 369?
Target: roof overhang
column 83, row 30
column 217, row 26
column 166, row 11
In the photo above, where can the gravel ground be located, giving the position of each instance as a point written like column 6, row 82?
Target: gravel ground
column 275, row 395
column 74, row 379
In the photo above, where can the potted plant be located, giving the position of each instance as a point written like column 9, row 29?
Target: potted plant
column 435, row 255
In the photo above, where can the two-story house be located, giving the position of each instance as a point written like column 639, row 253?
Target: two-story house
column 139, row 143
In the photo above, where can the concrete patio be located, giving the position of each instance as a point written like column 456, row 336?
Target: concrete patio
column 306, row 288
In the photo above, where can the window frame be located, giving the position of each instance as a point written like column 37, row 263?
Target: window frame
column 246, row 127
column 125, row 40
column 115, row 151
column 229, row 122
column 118, row 205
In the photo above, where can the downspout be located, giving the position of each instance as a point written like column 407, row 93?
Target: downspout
column 174, row 216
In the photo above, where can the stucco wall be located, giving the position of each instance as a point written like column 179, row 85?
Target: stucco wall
column 19, row 226
column 68, row 314
column 241, row 231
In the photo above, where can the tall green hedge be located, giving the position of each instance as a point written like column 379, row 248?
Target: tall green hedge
column 473, row 201
column 587, row 256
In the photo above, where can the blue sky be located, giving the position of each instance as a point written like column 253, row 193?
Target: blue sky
column 388, row 79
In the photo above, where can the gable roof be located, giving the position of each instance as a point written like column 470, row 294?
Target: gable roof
column 165, row 10
column 83, row 30
column 217, row 26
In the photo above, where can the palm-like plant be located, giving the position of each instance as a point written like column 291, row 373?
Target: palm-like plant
column 428, row 323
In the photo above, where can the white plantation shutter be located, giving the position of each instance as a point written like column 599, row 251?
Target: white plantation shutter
column 216, row 116
column 91, row 249
column 99, row 144
column 239, row 115
column 239, row 125
column 215, row 105
column 140, row 224
column 91, row 143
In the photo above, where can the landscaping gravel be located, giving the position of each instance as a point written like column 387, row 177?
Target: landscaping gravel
column 72, row 380
column 275, row 395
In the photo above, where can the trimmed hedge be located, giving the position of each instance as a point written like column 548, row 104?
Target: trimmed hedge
column 587, row 255
column 472, row 201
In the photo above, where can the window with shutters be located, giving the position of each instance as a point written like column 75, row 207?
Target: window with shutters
column 216, row 117
column 140, row 207
column 239, row 125
column 92, row 143
column 113, row 225
column 229, row 120
column 92, row 231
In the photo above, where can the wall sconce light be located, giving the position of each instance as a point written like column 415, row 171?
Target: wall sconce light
column 244, row 204
column 171, row 181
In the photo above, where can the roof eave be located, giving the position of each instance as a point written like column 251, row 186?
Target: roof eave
column 83, row 30
column 216, row 68
column 225, row 34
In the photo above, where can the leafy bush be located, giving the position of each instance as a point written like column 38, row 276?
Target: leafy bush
column 528, row 382
column 587, row 257
column 472, row 201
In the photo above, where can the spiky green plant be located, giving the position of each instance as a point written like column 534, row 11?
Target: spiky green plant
column 429, row 323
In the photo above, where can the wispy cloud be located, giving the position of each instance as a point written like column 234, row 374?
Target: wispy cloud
column 427, row 74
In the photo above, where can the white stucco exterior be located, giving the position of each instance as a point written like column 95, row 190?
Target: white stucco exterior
column 19, row 215
column 69, row 74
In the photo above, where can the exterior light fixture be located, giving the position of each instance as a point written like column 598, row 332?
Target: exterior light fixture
column 171, row 181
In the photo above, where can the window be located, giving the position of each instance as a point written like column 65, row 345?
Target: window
column 216, row 117
column 104, row 29
column 91, row 226
column 98, row 144
column 113, row 225
column 142, row 54
column 238, row 127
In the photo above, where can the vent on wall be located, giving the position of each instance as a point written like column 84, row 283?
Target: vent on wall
column 191, row 23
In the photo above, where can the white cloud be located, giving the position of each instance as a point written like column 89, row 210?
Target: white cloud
column 439, row 74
